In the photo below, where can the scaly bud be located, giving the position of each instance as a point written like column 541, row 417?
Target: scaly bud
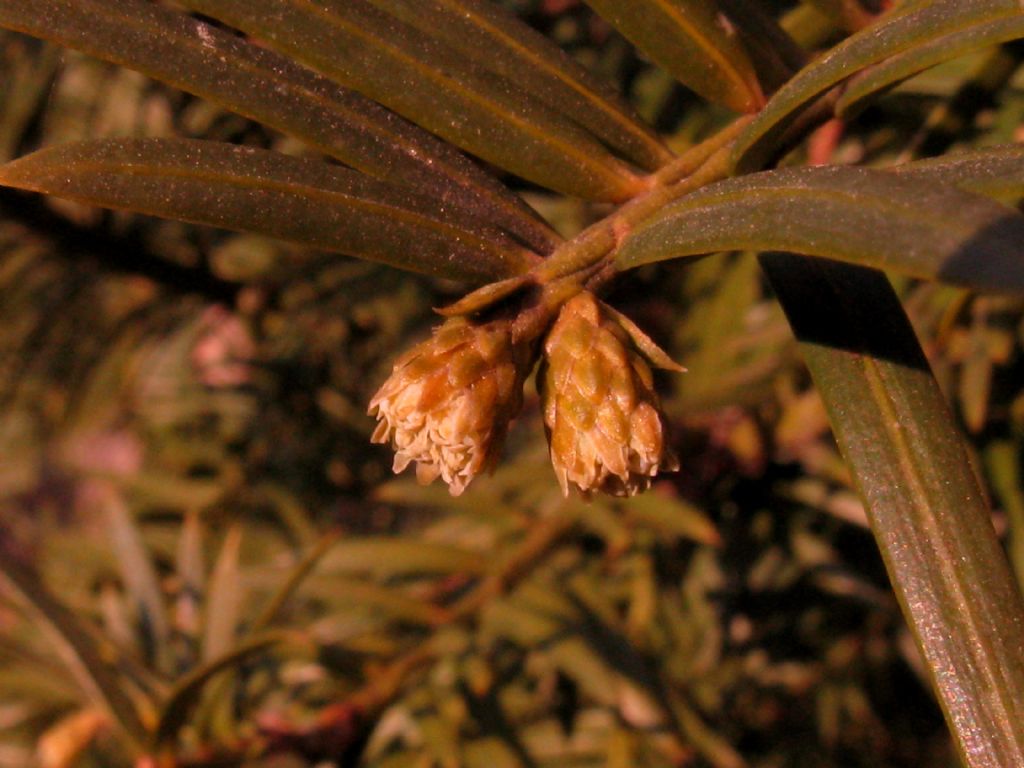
column 602, row 414
column 448, row 403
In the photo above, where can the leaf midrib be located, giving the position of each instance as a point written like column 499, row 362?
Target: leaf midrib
column 912, row 472
column 256, row 183
column 452, row 84
column 328, row 104
column 590, row 94
column 709, row 48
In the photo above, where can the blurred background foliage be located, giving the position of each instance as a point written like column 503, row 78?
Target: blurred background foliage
column 228, row 567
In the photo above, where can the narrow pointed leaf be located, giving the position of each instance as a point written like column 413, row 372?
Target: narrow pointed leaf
column 288, row 586
column 295, row 199
column 500, row 42
column 927, row 511
column 76, row 648
column 224, row 599
column 28, row 79
column 383, row 602
column 485, row 296
column 273, row 89
column 995, row 171
column 902, row 33
column 139, row 575
column 361, row 47
column 959, row 43
column 775, row 55
column 185, row 693
column 694, row 42
column 868, row 217
column 191, row 573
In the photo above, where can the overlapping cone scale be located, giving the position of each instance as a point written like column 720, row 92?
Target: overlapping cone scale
column 449, row 400
column 604, row 423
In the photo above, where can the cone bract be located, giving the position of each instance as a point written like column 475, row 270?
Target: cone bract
column 602, row 414
column 448, row 402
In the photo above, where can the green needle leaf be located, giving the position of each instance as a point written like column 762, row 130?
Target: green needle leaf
column 273, row 89
column 361, row 47
column 224, row 600
column 498, row 41
column 139, row 575
column 287, row 587
column 927, row 512
column 961, row 42
column 868, row 217
column 296, row 199
column 694, row 42
column 902, row 33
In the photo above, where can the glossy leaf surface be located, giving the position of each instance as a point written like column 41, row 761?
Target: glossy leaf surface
column 265, row 86
column 927, row 511
column 905, row 33
column 498, row 41
column 295, row 199
column 867, row 217
column 361, row 47
column 694, row 42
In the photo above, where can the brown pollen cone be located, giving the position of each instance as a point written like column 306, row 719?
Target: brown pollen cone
column 449, row 400
column 602, row 414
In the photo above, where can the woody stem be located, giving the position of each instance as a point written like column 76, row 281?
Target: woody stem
column 702, row 164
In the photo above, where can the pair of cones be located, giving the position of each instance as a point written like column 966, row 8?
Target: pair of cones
column 449, row 401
